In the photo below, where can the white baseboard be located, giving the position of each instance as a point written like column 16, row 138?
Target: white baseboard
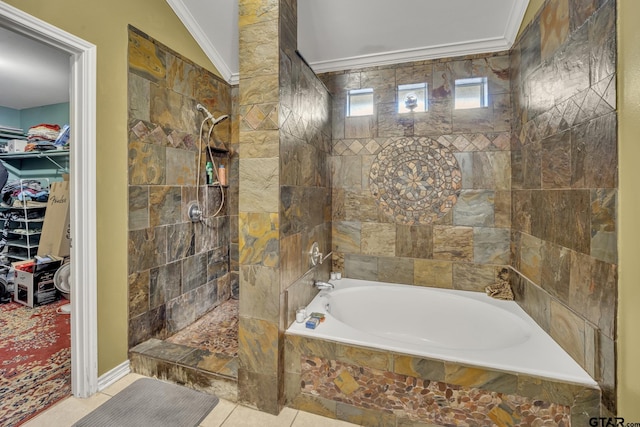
column 113, row 375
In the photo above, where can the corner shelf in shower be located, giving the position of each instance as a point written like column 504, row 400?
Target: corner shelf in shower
column 218, row 152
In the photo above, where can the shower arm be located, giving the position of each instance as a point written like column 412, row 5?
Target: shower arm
column 214, row 121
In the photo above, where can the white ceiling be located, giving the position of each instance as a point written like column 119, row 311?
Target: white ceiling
column 32, row 74
column 345, row 34
column 332, row 35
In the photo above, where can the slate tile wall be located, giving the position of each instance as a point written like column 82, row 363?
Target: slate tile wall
column 178, row 270
column 467, row 246
column 564, row 180
column 539, row 178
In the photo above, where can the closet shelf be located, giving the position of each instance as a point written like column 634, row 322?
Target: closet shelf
column 22, row 244
column 34, row 154
column 21, row 257
column 29, row 221
column 19, row 217
column 49, row 155
column 24, row 232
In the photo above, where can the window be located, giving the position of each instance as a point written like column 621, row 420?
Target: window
column 471, row 93
column 412, row 97
column 360, row 102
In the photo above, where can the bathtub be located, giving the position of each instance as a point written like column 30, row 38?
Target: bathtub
column 456, row 326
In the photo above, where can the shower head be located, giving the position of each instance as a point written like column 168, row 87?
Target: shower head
column 219, row 119
column 214, row 121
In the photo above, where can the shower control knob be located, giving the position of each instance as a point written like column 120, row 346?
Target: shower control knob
column 315, row 255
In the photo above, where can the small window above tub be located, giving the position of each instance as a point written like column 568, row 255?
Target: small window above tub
column 360, row 102
column 412, row 97
column 471, row 93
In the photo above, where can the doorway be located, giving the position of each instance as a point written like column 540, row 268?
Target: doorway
column 82, row 114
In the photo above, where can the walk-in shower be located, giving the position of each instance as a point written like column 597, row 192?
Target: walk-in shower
column 195, row 209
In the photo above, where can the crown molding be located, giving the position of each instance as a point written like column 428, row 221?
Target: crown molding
column 479, row 46
column 200, row 37
column 410, row 55
column 515, row 20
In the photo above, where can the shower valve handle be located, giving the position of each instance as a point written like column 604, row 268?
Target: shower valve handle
column 315, row 255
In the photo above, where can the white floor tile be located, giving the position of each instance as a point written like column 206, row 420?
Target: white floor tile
column 219, row 414
column 122, row 383
column 247, row 417
column 306, row 419
column 67, row 412
column 225, row 414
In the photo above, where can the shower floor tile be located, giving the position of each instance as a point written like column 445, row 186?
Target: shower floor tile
column 216, row 331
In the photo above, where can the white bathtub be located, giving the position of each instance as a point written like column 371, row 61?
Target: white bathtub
column 457, row 326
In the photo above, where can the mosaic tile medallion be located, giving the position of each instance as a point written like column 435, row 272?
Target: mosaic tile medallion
column 415, row 180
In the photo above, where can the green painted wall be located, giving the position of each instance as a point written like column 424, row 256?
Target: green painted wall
column 105, row 25
column 9, row 117
column 53, row 114
column 24, row 119
column 57, row 114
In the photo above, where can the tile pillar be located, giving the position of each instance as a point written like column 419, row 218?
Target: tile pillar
column 260, row 332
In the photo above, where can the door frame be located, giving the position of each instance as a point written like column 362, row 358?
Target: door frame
column 82, row 115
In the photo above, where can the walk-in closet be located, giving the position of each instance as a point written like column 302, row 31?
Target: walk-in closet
column 35, row 288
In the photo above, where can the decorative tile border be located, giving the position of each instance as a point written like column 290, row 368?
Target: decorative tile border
column 587, row 105
column 467, row 142
column 415, row 180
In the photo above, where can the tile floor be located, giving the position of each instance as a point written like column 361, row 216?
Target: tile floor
column 225, row 414
column 216, row 331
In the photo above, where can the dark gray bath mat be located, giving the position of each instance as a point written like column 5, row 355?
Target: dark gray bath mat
column 152, row 403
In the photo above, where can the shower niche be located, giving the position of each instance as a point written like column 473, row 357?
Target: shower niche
column 218, row 158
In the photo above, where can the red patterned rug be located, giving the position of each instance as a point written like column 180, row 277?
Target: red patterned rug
column 35, row 360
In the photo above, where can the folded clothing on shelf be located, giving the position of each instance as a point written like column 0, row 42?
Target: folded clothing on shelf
column 24, row 191
column 43, row 131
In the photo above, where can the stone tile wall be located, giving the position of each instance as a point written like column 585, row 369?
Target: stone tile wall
column 233, row 193
column 380, row 388
column 390, row 222
column 564, row 180
column 178, row 270
column 305, row 192
column 284, row 195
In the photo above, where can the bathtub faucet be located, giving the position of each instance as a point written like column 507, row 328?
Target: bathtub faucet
column 323, row 285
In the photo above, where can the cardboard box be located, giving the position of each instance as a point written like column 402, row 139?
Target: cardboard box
column 56, row 233
column 36, row 288
column 16, row 146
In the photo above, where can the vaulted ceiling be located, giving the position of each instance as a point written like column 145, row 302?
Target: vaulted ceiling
column 346, row 34
column 332, row 35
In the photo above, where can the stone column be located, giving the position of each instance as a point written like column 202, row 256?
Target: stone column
column 260, row 332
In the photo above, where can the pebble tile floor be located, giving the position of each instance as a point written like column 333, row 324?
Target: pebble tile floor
column 216, row 331
column 225, row 414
